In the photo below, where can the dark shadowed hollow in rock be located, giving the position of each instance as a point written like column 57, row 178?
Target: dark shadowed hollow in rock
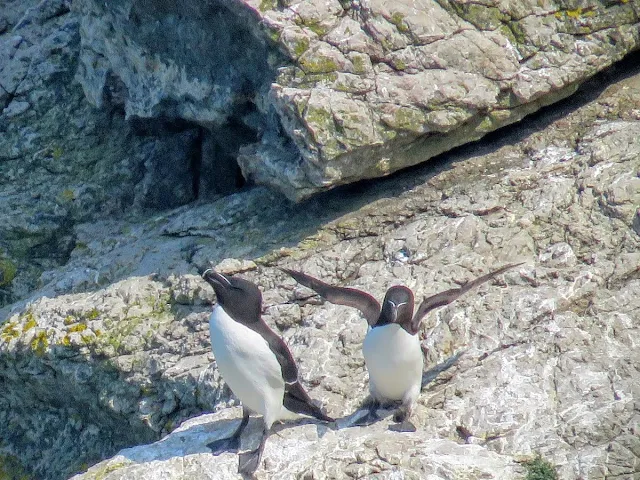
column 190, row 155
column 212, row 78
column 185, row 162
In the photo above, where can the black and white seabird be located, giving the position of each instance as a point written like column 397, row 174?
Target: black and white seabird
column 255, row 363
column 391, row 348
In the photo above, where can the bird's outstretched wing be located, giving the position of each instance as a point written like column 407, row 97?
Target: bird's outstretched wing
column 350, row 297
column 445, row 298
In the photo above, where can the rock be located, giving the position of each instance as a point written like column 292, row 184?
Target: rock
column 15, row 108
column 307, row 451
column 557, row 255
column 63, row 163
column 119, row 354
column 169, row 131
column 189, row 290
column 344, row 91
column 104, row 346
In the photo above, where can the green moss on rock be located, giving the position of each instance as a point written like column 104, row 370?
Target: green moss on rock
column 30, row 322
column 314, row 25
column 408, row 119
column 518, row 32
column 117, row 336
column 300, row 46
column 80, row 327
column 576, row 13
column 57, row 152
column 266, row 5
column 540, row 469
column 319, row 117
column 67, row 195
column 398, row 20
column 11, row 469
column 318, row 64
column 481, row 16
column 9, row 331
column 125, row 335
column 8, row 271
column 40, row 343
column 359, row 63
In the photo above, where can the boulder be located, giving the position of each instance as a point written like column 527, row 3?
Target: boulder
column 336, row 92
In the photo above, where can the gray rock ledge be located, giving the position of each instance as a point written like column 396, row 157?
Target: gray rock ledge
column 119, row 355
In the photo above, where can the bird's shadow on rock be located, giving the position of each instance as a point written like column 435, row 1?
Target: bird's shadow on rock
column 431, row 374
column 193, row 439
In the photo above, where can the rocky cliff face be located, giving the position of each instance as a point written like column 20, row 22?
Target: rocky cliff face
column 338, row 91
column 104, row 342
column 63, row 163
column 550, row 351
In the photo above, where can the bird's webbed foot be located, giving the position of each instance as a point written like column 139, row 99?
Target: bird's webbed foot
column 232, row 443
column 371, row 416
column 401, row 417
column 405, row 426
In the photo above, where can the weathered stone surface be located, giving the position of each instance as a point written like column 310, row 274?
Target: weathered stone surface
column 340, row 91
column 308, row 451
column 119, row 355
column 61, row 161
column 261, row 99
column 98, row 344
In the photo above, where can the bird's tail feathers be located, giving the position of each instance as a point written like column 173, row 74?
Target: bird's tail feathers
column 297, row 400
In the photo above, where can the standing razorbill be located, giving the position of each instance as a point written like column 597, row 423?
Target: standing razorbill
column 391, row 347
column 255, row 363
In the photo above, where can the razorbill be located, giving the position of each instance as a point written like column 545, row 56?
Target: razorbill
column 391, row 348
column 255, row 363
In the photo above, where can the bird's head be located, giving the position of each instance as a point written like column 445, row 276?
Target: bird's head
column 240, row 298
column 397, row 306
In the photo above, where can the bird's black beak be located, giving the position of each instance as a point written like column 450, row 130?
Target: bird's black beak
column 390, row 311
column 216, row 279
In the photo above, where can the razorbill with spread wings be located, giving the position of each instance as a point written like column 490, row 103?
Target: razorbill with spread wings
column 391, row 348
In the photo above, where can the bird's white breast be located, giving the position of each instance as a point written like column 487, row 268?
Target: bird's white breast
column 247, row 365
column 394, row 360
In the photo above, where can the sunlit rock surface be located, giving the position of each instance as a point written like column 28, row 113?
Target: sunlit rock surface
column 118, row 354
